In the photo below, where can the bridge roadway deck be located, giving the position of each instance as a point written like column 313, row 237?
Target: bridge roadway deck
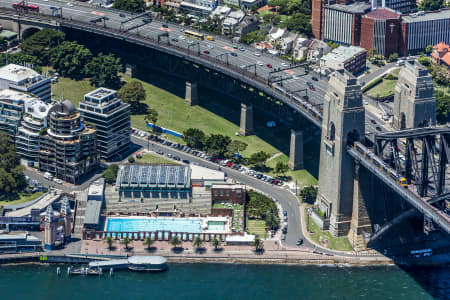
column 147, row 36
column 439, row 217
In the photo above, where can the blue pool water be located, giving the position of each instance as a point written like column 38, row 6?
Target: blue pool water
column 146, row 224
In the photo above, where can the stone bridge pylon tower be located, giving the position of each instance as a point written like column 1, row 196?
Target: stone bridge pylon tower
column 343, row 124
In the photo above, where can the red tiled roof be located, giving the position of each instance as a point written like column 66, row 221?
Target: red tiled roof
column 446, row 58
column 441, row 47
column 382, row 14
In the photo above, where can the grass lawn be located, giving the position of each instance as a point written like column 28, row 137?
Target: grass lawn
column 302, row 176
column 340, row 243
column 71, row 89
column 154, row 159
column 22, row 198
column 257, row 227
column 176, row 115
column 383, row 89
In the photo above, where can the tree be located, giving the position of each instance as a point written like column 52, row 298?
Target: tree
column 42, row 43
column 236, row 146
column 259, row 158
column 151, row 116
column 125, row 241
column 109, row 241
column 175, row 241
column 428, row 5
column 198, row 242
column 393, row 57
column 262, row 207
column 130, row 5
column 217, row 144
column 429, row 49
column 70, row 59
column 423, row 60
column 215, row 243
column 258, row 244
column 252, row 37
column 104, row 71
column 110, row 173
column 12, row 180
column 133, row 93
column 442, row 106
column 148, row 242
column 281, row 168
column 194, row 138
column 309, row 194
column 20, row 58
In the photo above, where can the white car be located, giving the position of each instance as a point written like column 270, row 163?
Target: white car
column 210, row 46
column 257, row 54
column 69, row 4
column 260, row 63
column 284, row 64
column 58, row 181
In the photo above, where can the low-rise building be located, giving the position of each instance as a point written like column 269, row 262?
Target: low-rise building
column 301, row 48
column 111, row 118
column 21, row 242
column 275, row 34
column 232, row 2
column 249, row 4
column 221, row 12
column 441, row 55
column 248, row 24
column 380, row 31
column 422, row 29
column 68, row 149
column 228, row 193
column 25, row 80
column 198, row 8
column 200, row 175
column 352, row 59
column 342, row 23
column 230, row 23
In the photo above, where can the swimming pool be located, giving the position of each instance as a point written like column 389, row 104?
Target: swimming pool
column 150, row 224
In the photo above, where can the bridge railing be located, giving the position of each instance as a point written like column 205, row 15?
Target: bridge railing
column 250, row 78
column 366, row 158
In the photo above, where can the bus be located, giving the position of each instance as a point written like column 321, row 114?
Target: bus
column 34, row 8
column 193, row 34
column 421, row 253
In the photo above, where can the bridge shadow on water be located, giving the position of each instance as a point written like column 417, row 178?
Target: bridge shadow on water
column 229, row 108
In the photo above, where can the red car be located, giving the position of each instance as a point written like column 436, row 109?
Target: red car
column 312, row 88
column 269, row 66
column 206, row 52
column 229, row 164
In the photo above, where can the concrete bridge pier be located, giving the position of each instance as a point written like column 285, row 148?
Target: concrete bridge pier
column 246, row 126
column 191, row 96
column 296, row 150
column 130, row 70
column 360, row 226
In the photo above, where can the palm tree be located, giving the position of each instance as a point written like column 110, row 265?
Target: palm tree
column 215, row 243
column 258, row 244
column 109, row 240
column 125, row 241
column 148, row 242
column 175, row 241
column 198, row 242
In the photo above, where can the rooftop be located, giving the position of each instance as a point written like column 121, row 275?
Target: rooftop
column 202, row 173
column 153, row 176
column 227, row 186
column 343, row 53
column 427, row 16
column 383, row 14
column 101, row 93
column 16, row 73
column 97, row 187
column 354, row 8
column 92, row 213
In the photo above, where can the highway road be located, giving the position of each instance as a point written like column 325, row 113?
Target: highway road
column 245, row 55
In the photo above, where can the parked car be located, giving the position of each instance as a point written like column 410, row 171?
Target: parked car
column 312, row 88
column 185, row 161
column 122, row 15
column 165, row 25
column 299, row 242
column 373, row 121
column 378, row 128
column 285, row 213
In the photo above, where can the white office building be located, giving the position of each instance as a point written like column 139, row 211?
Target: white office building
column 26, row 80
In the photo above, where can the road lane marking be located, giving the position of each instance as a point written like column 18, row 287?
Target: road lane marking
column 229, row 48
column 165, row 29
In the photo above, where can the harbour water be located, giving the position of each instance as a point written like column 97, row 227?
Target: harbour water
column 217, row 281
